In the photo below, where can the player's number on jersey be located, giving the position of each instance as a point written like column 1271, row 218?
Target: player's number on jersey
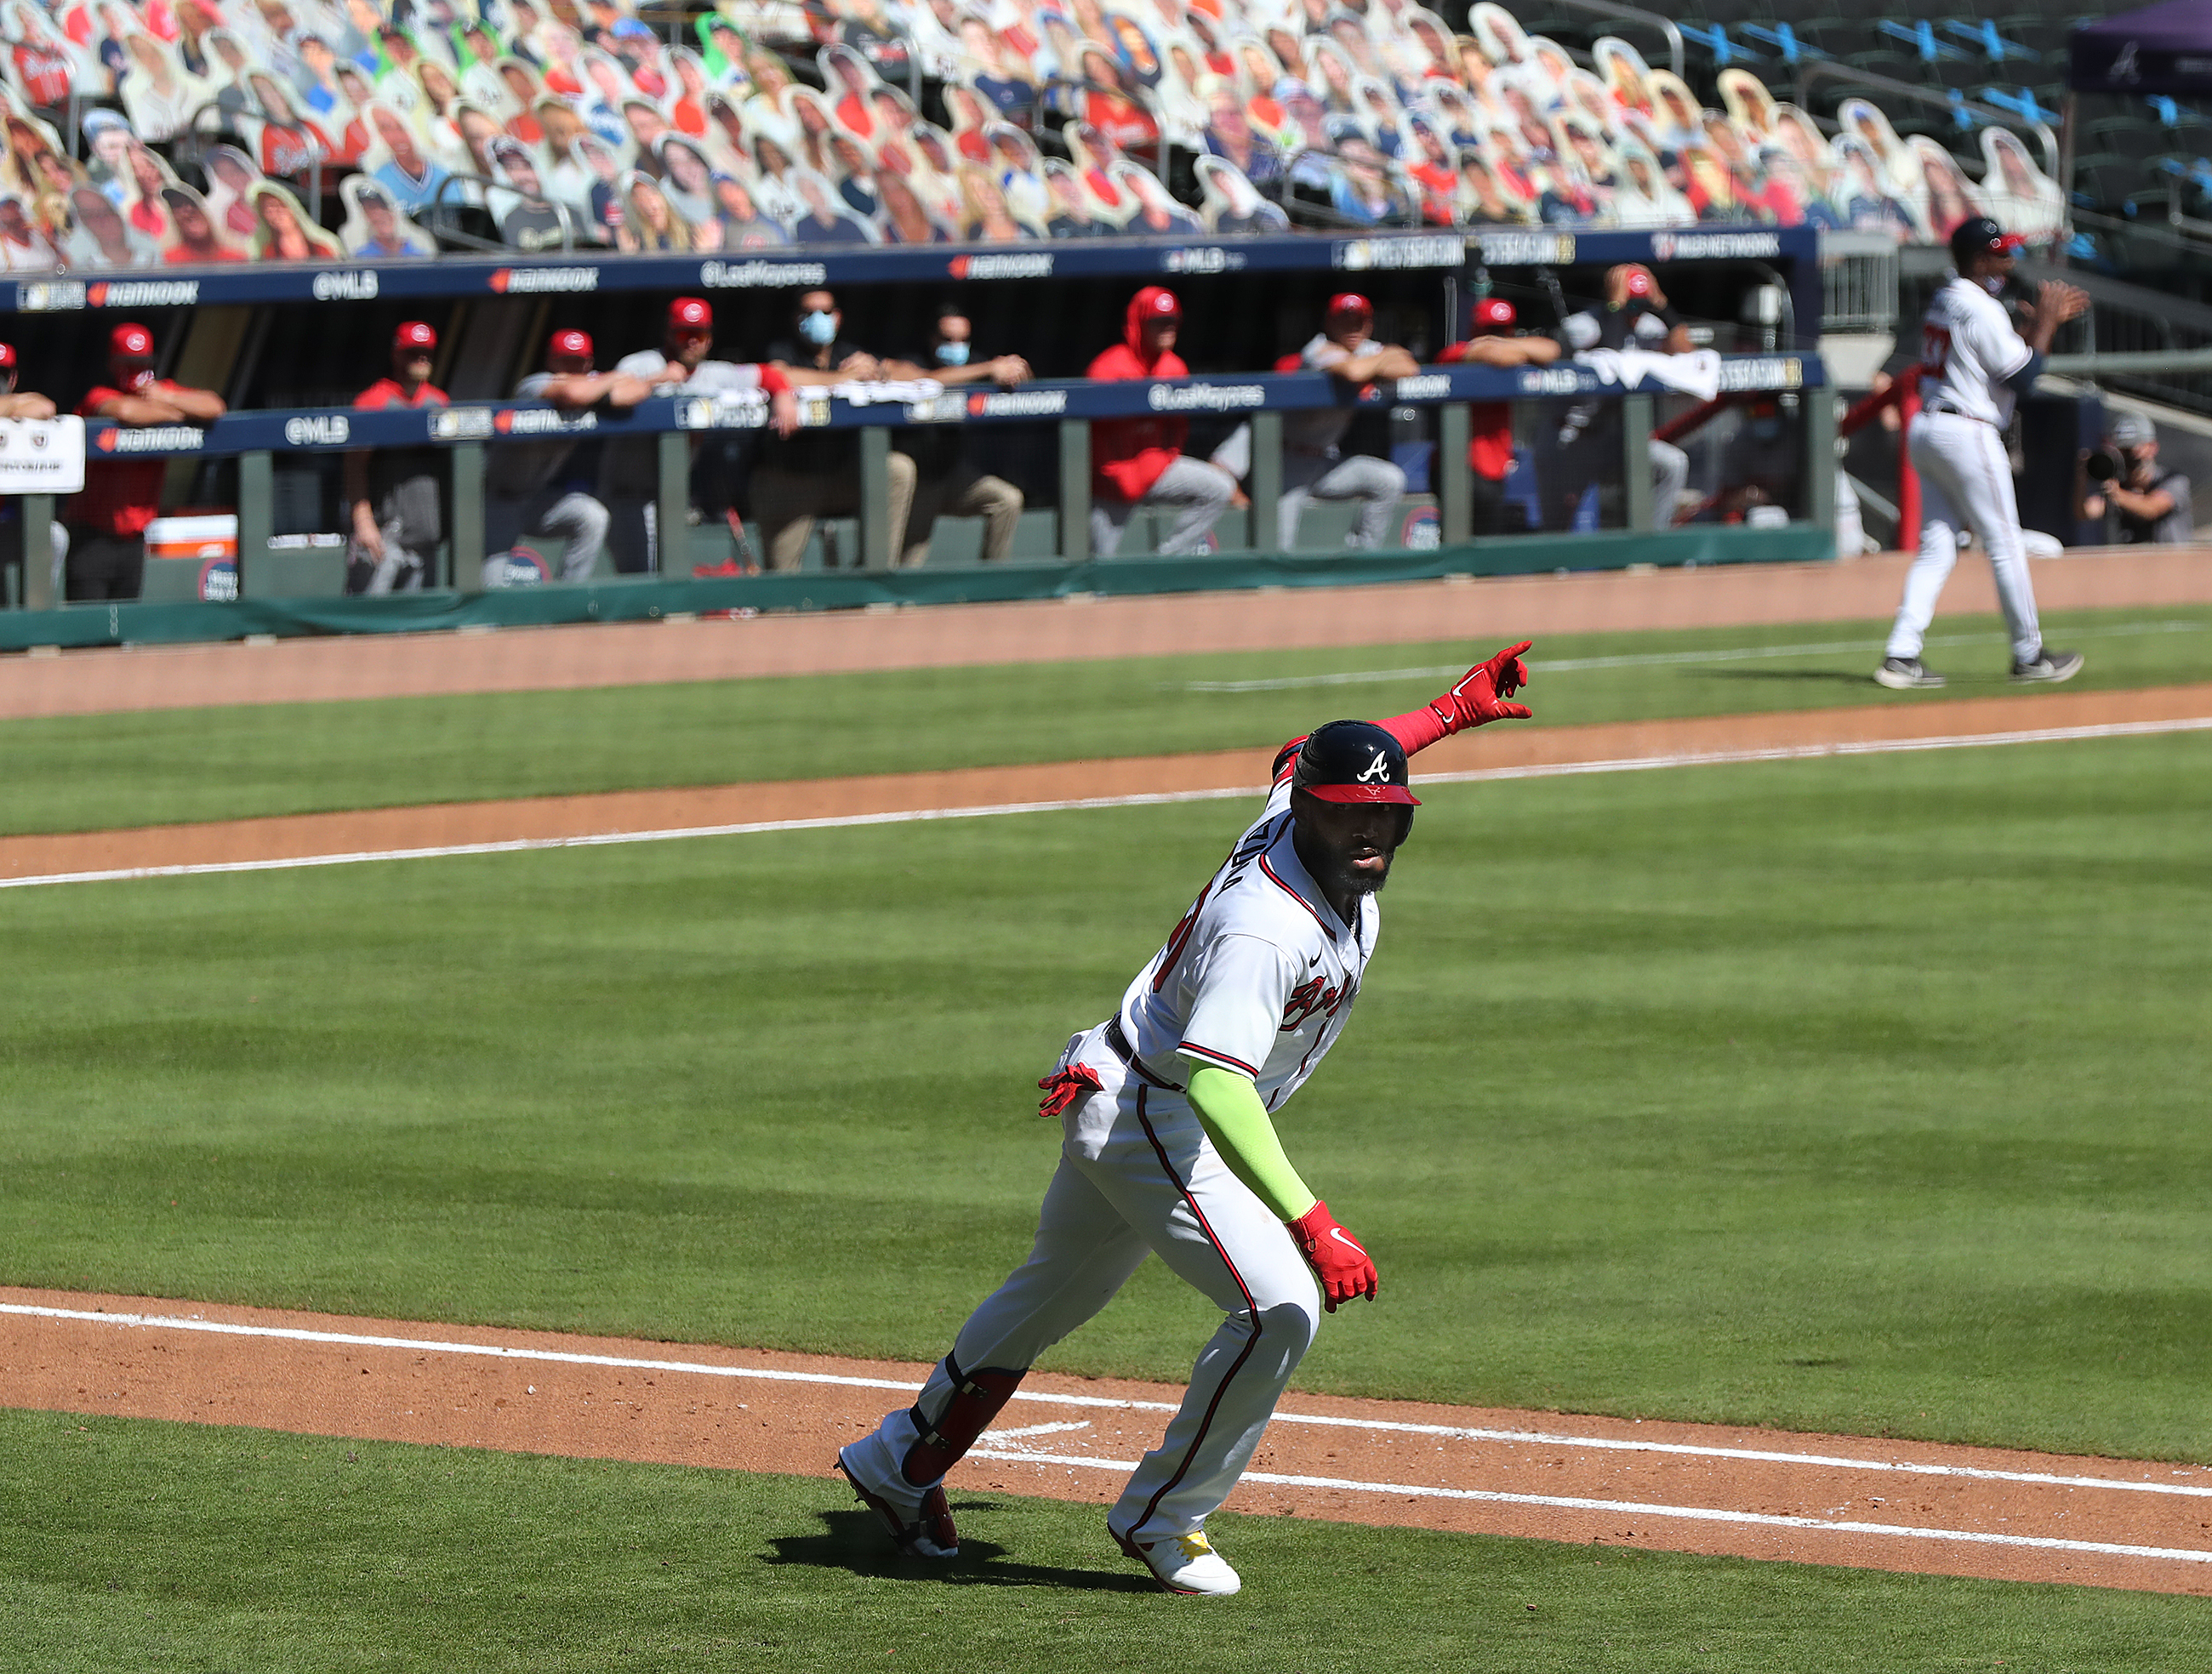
column 1935, row 347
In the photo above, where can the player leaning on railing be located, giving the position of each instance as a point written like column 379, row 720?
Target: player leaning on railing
column 1169, row 1145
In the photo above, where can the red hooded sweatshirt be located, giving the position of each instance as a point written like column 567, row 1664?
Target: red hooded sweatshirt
column 1128, row 454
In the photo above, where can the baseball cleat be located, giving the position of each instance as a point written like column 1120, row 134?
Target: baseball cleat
column 1183, row 1563
column 2050, row 665
column 1906, row 674
column 921, row 1530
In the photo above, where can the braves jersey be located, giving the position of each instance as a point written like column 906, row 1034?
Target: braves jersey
column 1968, row 337
column 1259, row 976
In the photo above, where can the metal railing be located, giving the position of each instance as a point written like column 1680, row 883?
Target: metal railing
column 1813, row 70
column 449, row 235
column 1665, row 26
column 1859, row 283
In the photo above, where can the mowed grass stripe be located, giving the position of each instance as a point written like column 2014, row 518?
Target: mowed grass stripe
column 161, row 1545
column 1856, row 1095
column 94, row 772
column 306, row 854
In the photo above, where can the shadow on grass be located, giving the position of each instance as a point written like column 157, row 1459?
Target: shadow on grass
column 855, row 1541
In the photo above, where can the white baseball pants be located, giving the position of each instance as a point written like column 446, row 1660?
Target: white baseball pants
column 1137, row 1176
column 1966, row 482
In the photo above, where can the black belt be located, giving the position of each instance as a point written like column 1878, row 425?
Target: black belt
column 1950, row 411
column 1118, row 1043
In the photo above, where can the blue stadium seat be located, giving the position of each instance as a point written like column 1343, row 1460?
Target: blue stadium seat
column 1982, row 35
column 1920, row 37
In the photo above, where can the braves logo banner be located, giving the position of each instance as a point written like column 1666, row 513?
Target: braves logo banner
column 41, row 456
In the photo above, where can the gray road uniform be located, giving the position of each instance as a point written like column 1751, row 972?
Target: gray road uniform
column 629, row 468
column 1315, row 467
column 542, row 488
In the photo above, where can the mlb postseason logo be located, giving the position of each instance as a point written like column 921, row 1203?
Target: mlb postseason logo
column 1421, row 250
column 1526, row 249
column 461, row 424
column 52, row 296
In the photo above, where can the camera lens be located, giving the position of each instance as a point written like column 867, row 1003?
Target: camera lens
column 2102, row 466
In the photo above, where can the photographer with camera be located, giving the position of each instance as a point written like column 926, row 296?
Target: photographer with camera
column 2145, row 503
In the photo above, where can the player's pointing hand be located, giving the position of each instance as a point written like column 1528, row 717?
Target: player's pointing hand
column 1479, row 697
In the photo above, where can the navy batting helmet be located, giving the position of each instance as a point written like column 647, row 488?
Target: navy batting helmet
column 1977, row 235
column 1354, row 762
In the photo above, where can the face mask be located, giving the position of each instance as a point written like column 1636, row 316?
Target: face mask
column 952, row 353
column 819, row 329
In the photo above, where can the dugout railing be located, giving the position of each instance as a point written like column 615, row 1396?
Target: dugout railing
column 258, row 441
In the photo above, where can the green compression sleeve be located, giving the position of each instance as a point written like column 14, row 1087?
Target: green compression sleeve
column 1228, row 1108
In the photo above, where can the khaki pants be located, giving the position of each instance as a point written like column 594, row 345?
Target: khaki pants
column 787, row 502
column 963, row 491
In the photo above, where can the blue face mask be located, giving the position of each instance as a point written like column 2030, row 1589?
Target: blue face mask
column 952, row 353
column 819, row 329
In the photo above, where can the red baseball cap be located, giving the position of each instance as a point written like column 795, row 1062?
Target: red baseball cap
column 691, row 314
column 130, row 342
column 1160, row 303
column 570, row 345
column 1495, row 313
column 1639, row 284
column 414, row 334
column 1351, row 302
column 7, row 355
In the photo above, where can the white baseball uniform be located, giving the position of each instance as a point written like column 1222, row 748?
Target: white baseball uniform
column 1957, row 445
column 1259, row 977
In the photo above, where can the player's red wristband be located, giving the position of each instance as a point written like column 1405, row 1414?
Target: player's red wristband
column 773, row 380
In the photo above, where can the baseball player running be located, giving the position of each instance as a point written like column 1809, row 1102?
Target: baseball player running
column 1974, row 366
column 1169, row 1145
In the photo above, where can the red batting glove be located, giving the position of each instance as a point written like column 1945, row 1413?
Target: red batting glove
column 1479, row 697
column 1344, row 1269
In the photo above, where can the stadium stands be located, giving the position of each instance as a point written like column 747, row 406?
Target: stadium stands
column 230, row 130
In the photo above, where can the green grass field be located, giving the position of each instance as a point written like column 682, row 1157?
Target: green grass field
column 88, row 772
column 1855, row 1095
column 172, row 1547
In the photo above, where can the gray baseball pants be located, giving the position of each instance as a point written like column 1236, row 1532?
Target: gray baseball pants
column 1200, row 491
column 1306, row 476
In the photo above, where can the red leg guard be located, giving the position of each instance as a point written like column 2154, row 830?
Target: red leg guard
column 976, row 1398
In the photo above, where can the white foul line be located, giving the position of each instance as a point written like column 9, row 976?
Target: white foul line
column 1138, row 799
column 565, row 1357
column 1629, row 1509
column 1656, row 659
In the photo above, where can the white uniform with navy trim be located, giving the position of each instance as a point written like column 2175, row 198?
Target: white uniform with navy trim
column 1957, row 445
column 1259, row 976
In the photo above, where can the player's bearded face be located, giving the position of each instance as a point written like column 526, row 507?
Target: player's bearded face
column 1349, row 845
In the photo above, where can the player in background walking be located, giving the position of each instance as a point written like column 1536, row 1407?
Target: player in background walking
column 1139, row 461
column 1974, row 367
column 1168, row 1145
column 393, row 492
column 1314, row 465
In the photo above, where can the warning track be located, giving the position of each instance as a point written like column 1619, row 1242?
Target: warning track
column 1813, row 1499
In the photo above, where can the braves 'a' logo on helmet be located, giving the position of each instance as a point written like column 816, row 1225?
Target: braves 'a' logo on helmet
column 1377, row 771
